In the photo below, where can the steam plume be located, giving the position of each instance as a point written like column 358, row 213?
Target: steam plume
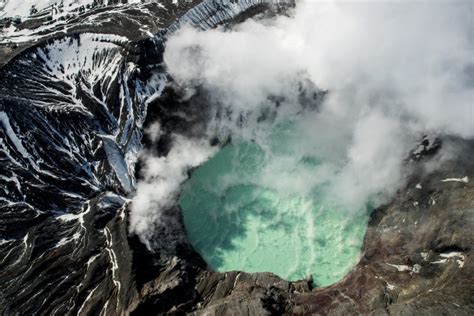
column 393, row 71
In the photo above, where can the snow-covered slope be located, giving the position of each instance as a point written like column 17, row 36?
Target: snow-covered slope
column 134, row 20
column 72, row 111
column 66, row 169
column 13, row 8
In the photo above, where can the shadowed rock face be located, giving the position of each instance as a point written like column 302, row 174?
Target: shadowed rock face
column 72, row 111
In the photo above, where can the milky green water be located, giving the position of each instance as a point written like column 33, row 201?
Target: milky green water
column 239, row 214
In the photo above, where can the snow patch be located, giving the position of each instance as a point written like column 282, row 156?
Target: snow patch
column 445, row 257
column 13, row 8
column 113, row 261
column 464, row 180
column 403, row 267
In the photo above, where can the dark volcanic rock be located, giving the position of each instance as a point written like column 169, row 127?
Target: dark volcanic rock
column 72, row 111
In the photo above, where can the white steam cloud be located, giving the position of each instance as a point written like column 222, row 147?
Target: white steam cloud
column 394, row 71
column 158, row 190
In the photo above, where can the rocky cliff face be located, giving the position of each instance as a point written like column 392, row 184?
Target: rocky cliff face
column 70, row 134
column 73, row 107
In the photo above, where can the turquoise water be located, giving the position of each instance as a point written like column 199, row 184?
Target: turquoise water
column 256, row 207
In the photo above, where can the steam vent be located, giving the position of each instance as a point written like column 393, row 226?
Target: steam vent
column 236, row 157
